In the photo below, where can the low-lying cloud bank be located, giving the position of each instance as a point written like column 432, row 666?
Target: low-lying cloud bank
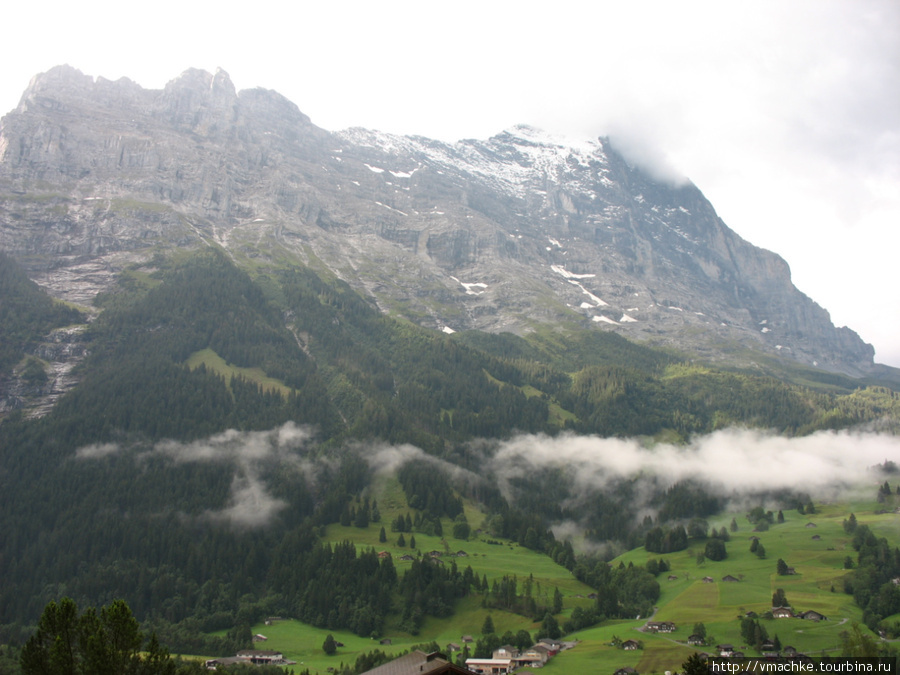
column 250, row 502
column 733, row 461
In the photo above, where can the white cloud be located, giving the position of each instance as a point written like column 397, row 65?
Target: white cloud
column 97, row 451
column 250, row 504
column 728, row 462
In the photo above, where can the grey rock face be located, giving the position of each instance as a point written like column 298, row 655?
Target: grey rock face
column 497, row 234
column 60, row 352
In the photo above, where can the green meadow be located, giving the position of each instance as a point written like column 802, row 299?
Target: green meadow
column 814, row 545
column 217, row 364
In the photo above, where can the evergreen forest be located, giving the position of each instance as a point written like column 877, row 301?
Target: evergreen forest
column 223, row 418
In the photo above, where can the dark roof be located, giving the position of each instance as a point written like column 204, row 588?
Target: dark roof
column 419, row 662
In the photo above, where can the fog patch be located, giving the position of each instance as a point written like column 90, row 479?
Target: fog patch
column 733, row 461
column 281, row 443
column 386, row 460
column 250, row 503
column 97, row 451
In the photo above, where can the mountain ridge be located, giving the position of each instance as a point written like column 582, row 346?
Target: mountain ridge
column 504, row 234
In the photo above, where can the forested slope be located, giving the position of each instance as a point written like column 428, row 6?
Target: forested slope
column 138, row 483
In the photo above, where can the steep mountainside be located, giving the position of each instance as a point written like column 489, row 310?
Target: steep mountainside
column 501, row 235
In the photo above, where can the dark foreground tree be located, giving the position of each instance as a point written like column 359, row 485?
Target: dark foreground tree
column 695, row 665
column 107, row 643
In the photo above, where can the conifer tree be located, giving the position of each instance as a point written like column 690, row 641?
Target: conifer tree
column 329, row 646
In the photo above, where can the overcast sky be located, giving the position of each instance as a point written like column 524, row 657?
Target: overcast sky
column 786, row 114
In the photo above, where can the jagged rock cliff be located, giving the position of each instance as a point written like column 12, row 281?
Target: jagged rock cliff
column 499, row 234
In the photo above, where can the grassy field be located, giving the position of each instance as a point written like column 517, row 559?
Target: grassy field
column 815, row 545
column 217, row 364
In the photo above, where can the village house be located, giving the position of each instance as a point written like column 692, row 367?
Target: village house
column 261, row 657
column 627, row 670
column 535, row 654
column 505, row 652
column 552, row 646
column 729, row 578
column 257, row 657
column 490, row 666
column 660, row 627
column 532, row 658
column 630, row 645
column 782, row 613
column 812, row 615
column 708, row 580
column 725, row 649
column 696, row 640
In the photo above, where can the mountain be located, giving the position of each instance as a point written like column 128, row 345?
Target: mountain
column 510, row 234
column 268, row 337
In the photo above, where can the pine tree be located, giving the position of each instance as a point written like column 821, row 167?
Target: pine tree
column 557, row 602
column 329, row 646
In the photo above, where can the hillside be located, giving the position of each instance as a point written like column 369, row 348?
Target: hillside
column 691, row 593
column 221, row 426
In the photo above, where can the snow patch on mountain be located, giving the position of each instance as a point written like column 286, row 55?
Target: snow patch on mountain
column 514, row 161
column 476, row 288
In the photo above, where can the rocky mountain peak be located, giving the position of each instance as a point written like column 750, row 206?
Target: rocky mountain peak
column 199, row 101
column 506, row 233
